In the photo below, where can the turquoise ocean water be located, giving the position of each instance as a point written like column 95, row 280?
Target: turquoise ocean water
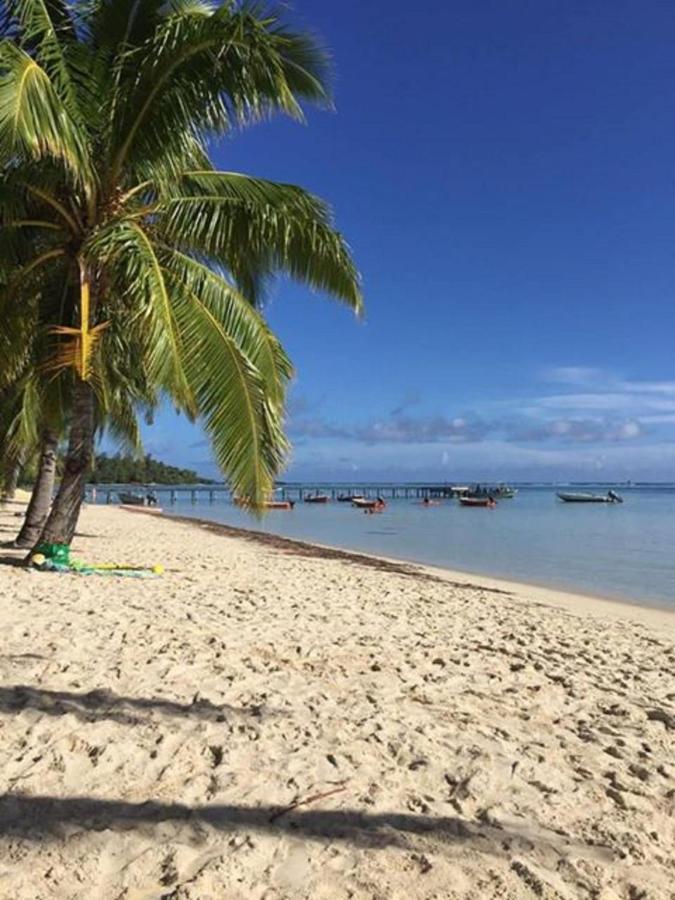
column 624, row 551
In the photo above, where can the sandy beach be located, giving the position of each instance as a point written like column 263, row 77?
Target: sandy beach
column 274, row 721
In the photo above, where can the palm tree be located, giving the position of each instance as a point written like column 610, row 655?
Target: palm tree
column 19, row 407
column 35, row 400
column 106, row 110
column 35, row 405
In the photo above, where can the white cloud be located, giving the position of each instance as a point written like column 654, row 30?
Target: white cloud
column 649, row 387
column 495, row 460
column 578, row 375
column 599, row 391
column 581, row 422
column 628, row 430
column 616, row 402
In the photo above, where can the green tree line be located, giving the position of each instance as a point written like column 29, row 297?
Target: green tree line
column 121, row 469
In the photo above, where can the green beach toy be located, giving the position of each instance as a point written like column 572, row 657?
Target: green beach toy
column 56, row 558
column 58, row 553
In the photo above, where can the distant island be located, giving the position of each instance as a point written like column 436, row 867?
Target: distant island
column 120, row 469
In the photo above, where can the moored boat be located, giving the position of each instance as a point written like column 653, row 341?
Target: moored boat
column 349, row 498
column 504, row 492
column 129, row 498
column 498, row 492
column 316, row 498
column 459, row 490
column 478, row 501
column 267, row 504
column 609, row 497
column 368, row 503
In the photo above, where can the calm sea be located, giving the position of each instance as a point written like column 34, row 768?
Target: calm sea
column 624, row 551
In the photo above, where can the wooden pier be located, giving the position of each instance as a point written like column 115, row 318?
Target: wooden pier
column 288, row 490
column 388, row 491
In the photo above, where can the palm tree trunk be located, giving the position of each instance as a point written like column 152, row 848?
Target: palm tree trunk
column 62, row 521
column 41, row 498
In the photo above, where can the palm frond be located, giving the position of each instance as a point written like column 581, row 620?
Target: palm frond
column 236, row 315
column 245, row 429
column 20, row 416
column 48, row 33
column 252, row 226
column 117, row 417
column 39, row 189
column 115, row 26
column 130, row 258
column 32, row 296
column 34, row 122
column 202, row 74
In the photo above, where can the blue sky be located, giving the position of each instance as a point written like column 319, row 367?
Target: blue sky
column 505, row 175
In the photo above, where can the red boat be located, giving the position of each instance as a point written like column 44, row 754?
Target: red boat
column 490, row 502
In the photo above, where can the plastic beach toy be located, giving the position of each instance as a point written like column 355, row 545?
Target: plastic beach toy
column 56, row 558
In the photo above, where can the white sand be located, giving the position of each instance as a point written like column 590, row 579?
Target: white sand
column 477, row 744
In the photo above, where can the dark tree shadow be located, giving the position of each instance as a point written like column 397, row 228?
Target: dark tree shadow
column 39, row 818
column 18, row 561
column 102, row 704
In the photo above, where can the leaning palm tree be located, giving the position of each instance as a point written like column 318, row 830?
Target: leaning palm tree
column 106, row 111
column 31, row 418
column 35, row 401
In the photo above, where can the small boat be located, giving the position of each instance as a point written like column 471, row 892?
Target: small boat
column 363, row 503
column 127, row 498
column 499, row 492
column 267, row 504
column 478, row 501
column 316, row 498
column 504, row 492
column 609, row 497
column 349, row 498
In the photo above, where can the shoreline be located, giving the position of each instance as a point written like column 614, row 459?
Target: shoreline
column 485, row 579
column 564, row 598
column 580, row 602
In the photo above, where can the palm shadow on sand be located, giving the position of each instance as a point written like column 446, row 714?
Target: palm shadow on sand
column 16, row 560
column 44, row 819
column 103, row 704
